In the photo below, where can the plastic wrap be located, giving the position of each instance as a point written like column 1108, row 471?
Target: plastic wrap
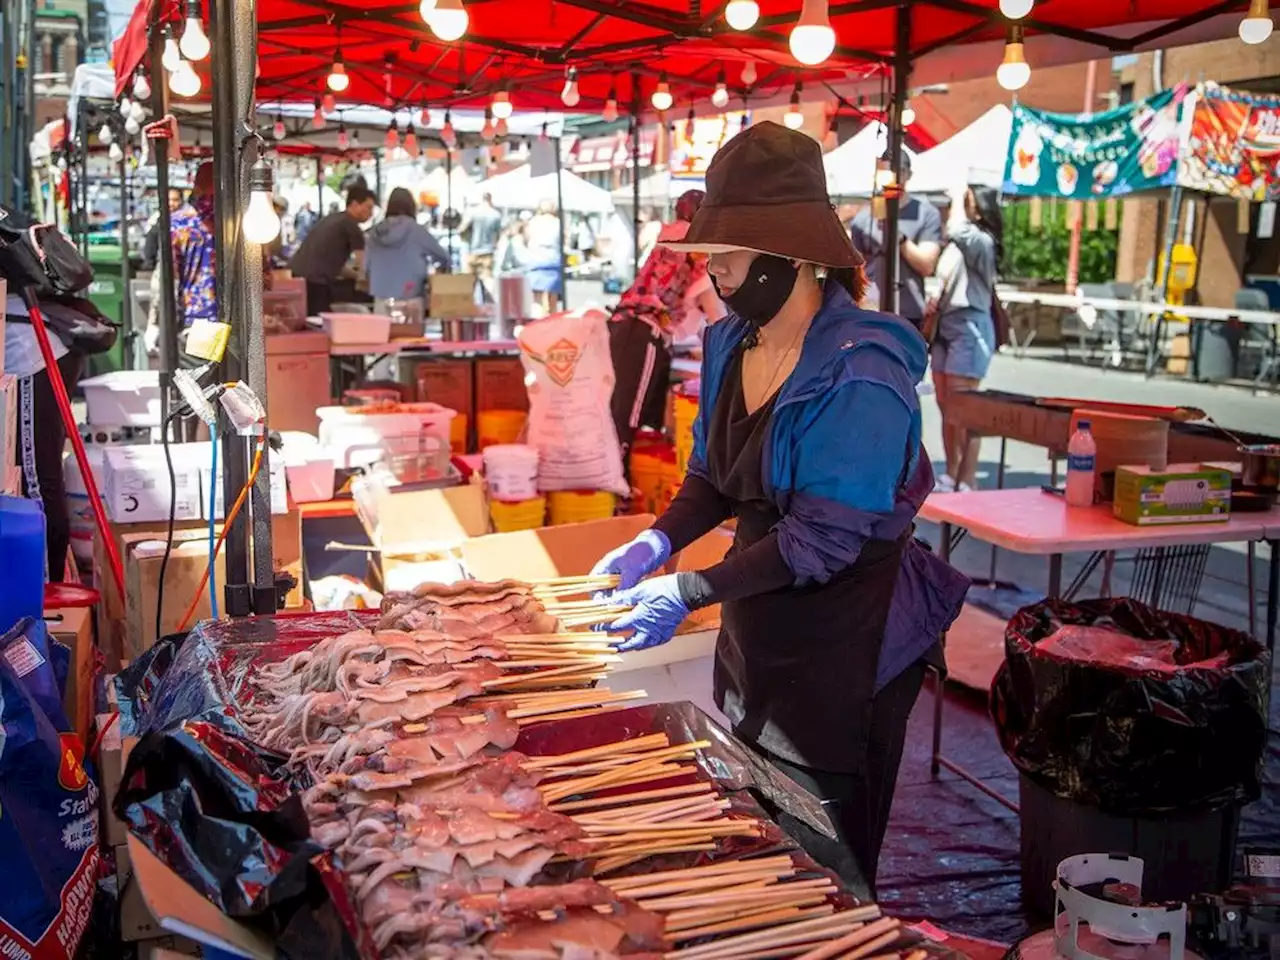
column 1126, row 733
column 226, row 816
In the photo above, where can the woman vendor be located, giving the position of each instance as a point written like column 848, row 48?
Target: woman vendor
column 809, row 434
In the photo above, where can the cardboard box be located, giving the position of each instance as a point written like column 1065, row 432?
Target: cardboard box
column 137, row 922
column 73, row 628
column 500, row 384
column 136, row 484
column 9, row 420
column 286, row 552
column 188, row 561
column 1181, row 493
column 112, row 754
column 453, row 296
column 569, row 550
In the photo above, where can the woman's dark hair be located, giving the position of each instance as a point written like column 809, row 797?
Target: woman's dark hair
column 853, row 279
column 401, row 204
column 986, row 202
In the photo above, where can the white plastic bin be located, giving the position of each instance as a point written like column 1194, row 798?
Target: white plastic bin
column 311, row 481
column 357, row 328
column 123, row 398
column 359, row 439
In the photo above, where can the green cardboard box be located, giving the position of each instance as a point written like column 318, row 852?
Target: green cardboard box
column 1180, row 493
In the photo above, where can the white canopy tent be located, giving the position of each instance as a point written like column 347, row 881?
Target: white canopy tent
column 521, row 190
column 975, row 155
column 851, row 167
column 658, row 189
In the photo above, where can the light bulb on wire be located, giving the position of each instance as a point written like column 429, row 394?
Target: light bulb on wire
column 105, row 136
column 908, row 114
column 749, row 75
column 1016, row 9
column 1014, row 71
column 500, row 128
column 184, row 82
column 424, row 118
column 662, row 99
column 338, row 79
column 501, row 105
column 194, row 44
column 793, row 118
column 447, row 133
column 132, row 127
column 688, row 125
column 425, row 9
column 570, row 96
column 344, row 141
column 449, row 20
column 261, row 222
column 721, row 97
column 1256, row 27
column 116, row 153
column 171, row 56
column 742, row 14
column 141, row 86
column 411, row 142
column 137, row 111
column 812, row 39
column 317, row 118
column 126, row 108
column 329, row 102
column 392, row 139
column 610, row 112
column 277, row 129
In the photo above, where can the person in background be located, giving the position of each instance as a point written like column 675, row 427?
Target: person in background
column 325, row 258
column 512, row 255
column 964, row 333
column 542, row 234
column 481, row 229
column 919, row 244
column 672, row 299
column 191, row 230
column 399, row 251
column 303, row 221
column 151, row 245
column 650, row 229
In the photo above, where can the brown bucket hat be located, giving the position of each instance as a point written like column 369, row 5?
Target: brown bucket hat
column 767, row 191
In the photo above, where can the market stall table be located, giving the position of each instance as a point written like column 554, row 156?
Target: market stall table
column 1036, row 523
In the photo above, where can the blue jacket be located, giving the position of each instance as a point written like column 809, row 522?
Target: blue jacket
column 843, row 461
column 397, row 254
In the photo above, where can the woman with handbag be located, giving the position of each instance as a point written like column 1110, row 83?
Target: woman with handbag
column 962, row 322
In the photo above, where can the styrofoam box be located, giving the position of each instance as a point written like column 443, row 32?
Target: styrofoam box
column 123, row 398
column 356, row 328
column 137, row 489
column 200, row 454
column 311, row 481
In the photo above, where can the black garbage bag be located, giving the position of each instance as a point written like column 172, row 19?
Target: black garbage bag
column 1115, row 705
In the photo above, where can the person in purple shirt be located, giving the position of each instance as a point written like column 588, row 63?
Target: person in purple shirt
column 808, row 433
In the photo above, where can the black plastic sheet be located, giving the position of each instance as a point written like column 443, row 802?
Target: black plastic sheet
column 1127, row 739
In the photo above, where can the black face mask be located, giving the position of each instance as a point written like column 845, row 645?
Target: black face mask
column 769, row 283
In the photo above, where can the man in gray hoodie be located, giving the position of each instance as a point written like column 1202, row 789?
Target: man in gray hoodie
column 399, row 251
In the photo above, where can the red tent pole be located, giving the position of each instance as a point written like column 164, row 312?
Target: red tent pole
column 77, row 444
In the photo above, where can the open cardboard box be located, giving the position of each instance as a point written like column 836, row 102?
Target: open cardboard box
column 410, row 528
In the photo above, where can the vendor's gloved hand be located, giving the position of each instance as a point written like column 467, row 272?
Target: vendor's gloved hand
column 657, row 611
column 634, row 561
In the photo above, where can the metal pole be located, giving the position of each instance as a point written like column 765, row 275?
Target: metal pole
column 635, row 186
column 320, row 186
column 448, row 198
column 28, row 129
column 901, row 75
column 166, row 309
column 126, row 267
column 8, row 80
column 564, row 286
column 377, row 175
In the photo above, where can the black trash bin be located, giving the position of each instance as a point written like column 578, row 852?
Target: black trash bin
column 1133, row 731
column 1216, row 348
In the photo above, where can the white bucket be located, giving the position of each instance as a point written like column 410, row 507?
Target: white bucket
column 511, row 470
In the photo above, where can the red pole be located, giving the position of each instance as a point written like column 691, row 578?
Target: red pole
column 77, row 444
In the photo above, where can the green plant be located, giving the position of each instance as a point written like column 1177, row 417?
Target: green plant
column 1040, row 253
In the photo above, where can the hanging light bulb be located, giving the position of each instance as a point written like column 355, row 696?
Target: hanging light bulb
column 194, row 44
column 749, row 75
column 449, row 20
column 424, row 118
column 1014, row 71
column 721, row 97
column 317, row 118
column 132, row 127
column 126, row 107
column 812, row 39
column 908, row 114
column 425, row 9
column 742, row 14
column 500, row 128
column 487, row 131
column 338, row 80
column 688, row 124
column 447, row 133
column 1256, row 27
column 328, row 102
column 184, row 81
column 141, row 86
column 392, row 139
column 170, row 57
column 569, row 96
column 261, row 223
column 794, row 119
column 116, row 153
column 501, row 105
column 543, row 134
column 344, row 141
column 105, row 136
column 1016, row 9
column 411, row 142
column 277, row 129
column 662, row 99
column 137, row 111
column 611, row 104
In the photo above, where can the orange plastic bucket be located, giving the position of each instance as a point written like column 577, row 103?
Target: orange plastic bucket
column 579, row 506
column 499, row 426
column 686, row 412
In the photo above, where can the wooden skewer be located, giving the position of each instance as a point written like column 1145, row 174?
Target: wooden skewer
column 571, row 715
column 704, row 916
column 875, row 935
column 877, row 944
column 749, row 922
column 711, row 908
column 624, row 799
column 605, row 749
column 622, row 858
column 607, row 579
column 537, row 674
column 680, row 751
column 779, row 935
column 649, row 849
column 696, row 808
column 749, row 890
column 550, row 638
column 782, row 861
column 608, row 828
column 556, row 708
column 721, row 881
column 569, row 788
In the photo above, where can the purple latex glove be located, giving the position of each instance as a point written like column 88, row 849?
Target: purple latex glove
column 634, row 561
column 657, row 611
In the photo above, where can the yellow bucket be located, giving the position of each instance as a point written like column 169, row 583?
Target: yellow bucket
column 579, row 506
column 499, row 426
column 458, row 433
column 520, row 515
column 686, row 412
column 651, row 465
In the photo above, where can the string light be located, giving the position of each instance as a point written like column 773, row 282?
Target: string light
column 611, row 104
column 721, row 97
column 447, row 133
column 261, row 223
column 688, row 124
column 411, row 142
column 501, row 105
column 141, row 86
column 1016, row 9
column 277, row 129
column 137, row 111
column 184, row 81
column 105, row 136
column 338, row 80
column 449, row 20
column 812, row 39
column 794, row 119
column 132, row 127
column 742, row 14
column 424, row 118
column 344, row 141
column 195, row 44
column 171, row 56
column 500, row 128
column 1256, row 27
column 662, row 99
column 116, row 153
column 392, row 139
column 749, row 75
column 1014, row 71
column 569, row 96
column 126, row 107
column 908, row 114
column 425, row 9
column 317, row 118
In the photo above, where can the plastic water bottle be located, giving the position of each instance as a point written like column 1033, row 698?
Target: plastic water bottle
column 1082, row 455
